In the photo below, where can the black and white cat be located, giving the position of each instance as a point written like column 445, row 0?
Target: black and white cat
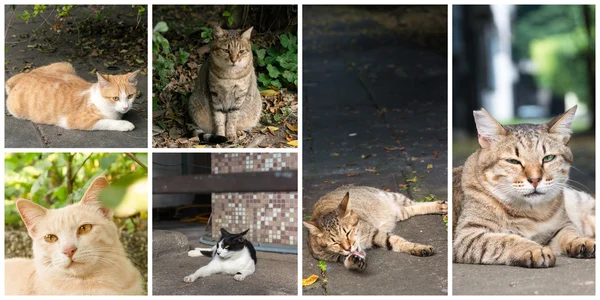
column 233, row 254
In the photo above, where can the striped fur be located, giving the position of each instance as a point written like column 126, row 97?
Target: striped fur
column 351, row 219
column 226, row 99
column 509, row 198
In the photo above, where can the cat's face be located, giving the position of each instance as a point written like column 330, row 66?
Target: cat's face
column 335, row 232
column 119, row 91
column 525, row 163
column 229, row 244
column 231, row 48
column 72, row 240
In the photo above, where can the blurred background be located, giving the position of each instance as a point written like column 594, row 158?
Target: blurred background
column 55, row 180
column 525, row 64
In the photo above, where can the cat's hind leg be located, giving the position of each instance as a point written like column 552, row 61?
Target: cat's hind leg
column 208, row 252
column 211, row 268
column 396, row 243
column 246, row 271
column 421, row 208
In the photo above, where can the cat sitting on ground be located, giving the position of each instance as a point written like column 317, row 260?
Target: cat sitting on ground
column 232, row 254
column 55, row 95
column 351, row 219
column 511, row 201
column 76, row 251
column 225, row 98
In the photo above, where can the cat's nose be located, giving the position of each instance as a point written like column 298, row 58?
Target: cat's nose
column 125, row 107
column 534, row 181
column 69, row 251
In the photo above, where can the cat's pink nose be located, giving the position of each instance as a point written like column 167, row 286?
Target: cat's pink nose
column 534, row 181
column 125, row 107
column 69, row 251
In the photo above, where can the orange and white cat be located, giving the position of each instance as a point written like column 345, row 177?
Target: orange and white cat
column 76, row 251
column 55, row 95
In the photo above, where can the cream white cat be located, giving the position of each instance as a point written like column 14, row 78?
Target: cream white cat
column 76, row 251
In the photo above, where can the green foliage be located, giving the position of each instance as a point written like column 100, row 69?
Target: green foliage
column 30, row 16
column 322, row 265
column 206, row 34
column 227, row 15
column 64, row 10
column 555, row 37
column 164, row 59
column 278, row 66
column 44, row 178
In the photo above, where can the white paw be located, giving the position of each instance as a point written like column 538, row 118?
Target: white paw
column 125, row 126
column 194, row 253
column 189, row 278
column 239, row 277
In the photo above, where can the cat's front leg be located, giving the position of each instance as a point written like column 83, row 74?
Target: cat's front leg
column 207, row 270
column 220, row 118
column 473, row 246
column 232, row 121
column 570, row 243
column 115, row 125
column 248, row 270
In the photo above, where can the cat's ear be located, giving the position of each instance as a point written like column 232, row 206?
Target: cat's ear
column 343, row 207
column 488, row 129
column 244, row 233
column 102, row 81
column 224, row 232
column 92, row 196
column 218, row 32
column 132, row 77
column 31, row 213
column 561, row 125
column 247, row 34
column 312, row 228
column 240, row 236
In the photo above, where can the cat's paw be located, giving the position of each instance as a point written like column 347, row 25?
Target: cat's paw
column 190, row 278
column 125, row 126
column 540, row 257
column 422, row 250
column 239, row 277
column 443, row 207
column 581, row 247
column 355, row 262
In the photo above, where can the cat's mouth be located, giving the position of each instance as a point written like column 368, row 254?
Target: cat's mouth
column 534, row 194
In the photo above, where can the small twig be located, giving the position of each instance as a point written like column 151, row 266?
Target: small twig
column 80, row 166
column 136, row 160
column 10, row 21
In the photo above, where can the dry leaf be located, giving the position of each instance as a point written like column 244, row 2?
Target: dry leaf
column 335, row 154
column 429, row 166
column 268, row 93
column 293, row 128
column 310, row 280
column 293, row 143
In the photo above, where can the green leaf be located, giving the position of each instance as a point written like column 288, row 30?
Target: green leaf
column 161, row 27
column 273, row 71
column 226, row 14
column 113, row 195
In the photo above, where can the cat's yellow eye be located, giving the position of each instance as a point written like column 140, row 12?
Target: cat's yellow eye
column 513, row 161
column 227, row 247
column 83, row 229
column 115, row 98
column 548, row 158
column 50, row 238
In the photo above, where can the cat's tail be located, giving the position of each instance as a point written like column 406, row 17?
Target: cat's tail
column 209, row 137
column 201, row 252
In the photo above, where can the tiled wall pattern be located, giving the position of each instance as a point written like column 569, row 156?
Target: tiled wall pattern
column 271, row 217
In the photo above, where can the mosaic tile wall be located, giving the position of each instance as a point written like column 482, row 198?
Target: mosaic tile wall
column 271, row 217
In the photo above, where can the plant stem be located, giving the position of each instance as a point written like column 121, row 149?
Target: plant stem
column 136, row 160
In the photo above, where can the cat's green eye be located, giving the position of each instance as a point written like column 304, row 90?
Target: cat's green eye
column 549, row 158
column 225, row 50
column 242, row 51
column 227, row 247
column 130, row 96
column 50, row 238
column 513, row 161
column 83, row 229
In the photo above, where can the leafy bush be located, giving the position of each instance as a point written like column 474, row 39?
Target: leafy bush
column 164, row 59
column 278, row 66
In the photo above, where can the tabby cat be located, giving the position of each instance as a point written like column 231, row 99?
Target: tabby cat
column 511, row 201
column 76, row 251
column 226, row 99
column 351, row 219
column 55, row 95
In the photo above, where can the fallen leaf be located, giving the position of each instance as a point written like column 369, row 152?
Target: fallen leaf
column 335, row 154
column 272, row 129
column 293, row 143
column 429, row 166
column 352, row 175
column 365, row 156
column 293, row 128
column 310, row 280
column 199, row 146
column 413, row 180
column 436, row 154
column 268, row 93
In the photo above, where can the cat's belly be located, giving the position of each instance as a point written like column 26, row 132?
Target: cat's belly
column 539, row 232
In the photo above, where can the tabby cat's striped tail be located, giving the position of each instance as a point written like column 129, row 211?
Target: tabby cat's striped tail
column 209, row 137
